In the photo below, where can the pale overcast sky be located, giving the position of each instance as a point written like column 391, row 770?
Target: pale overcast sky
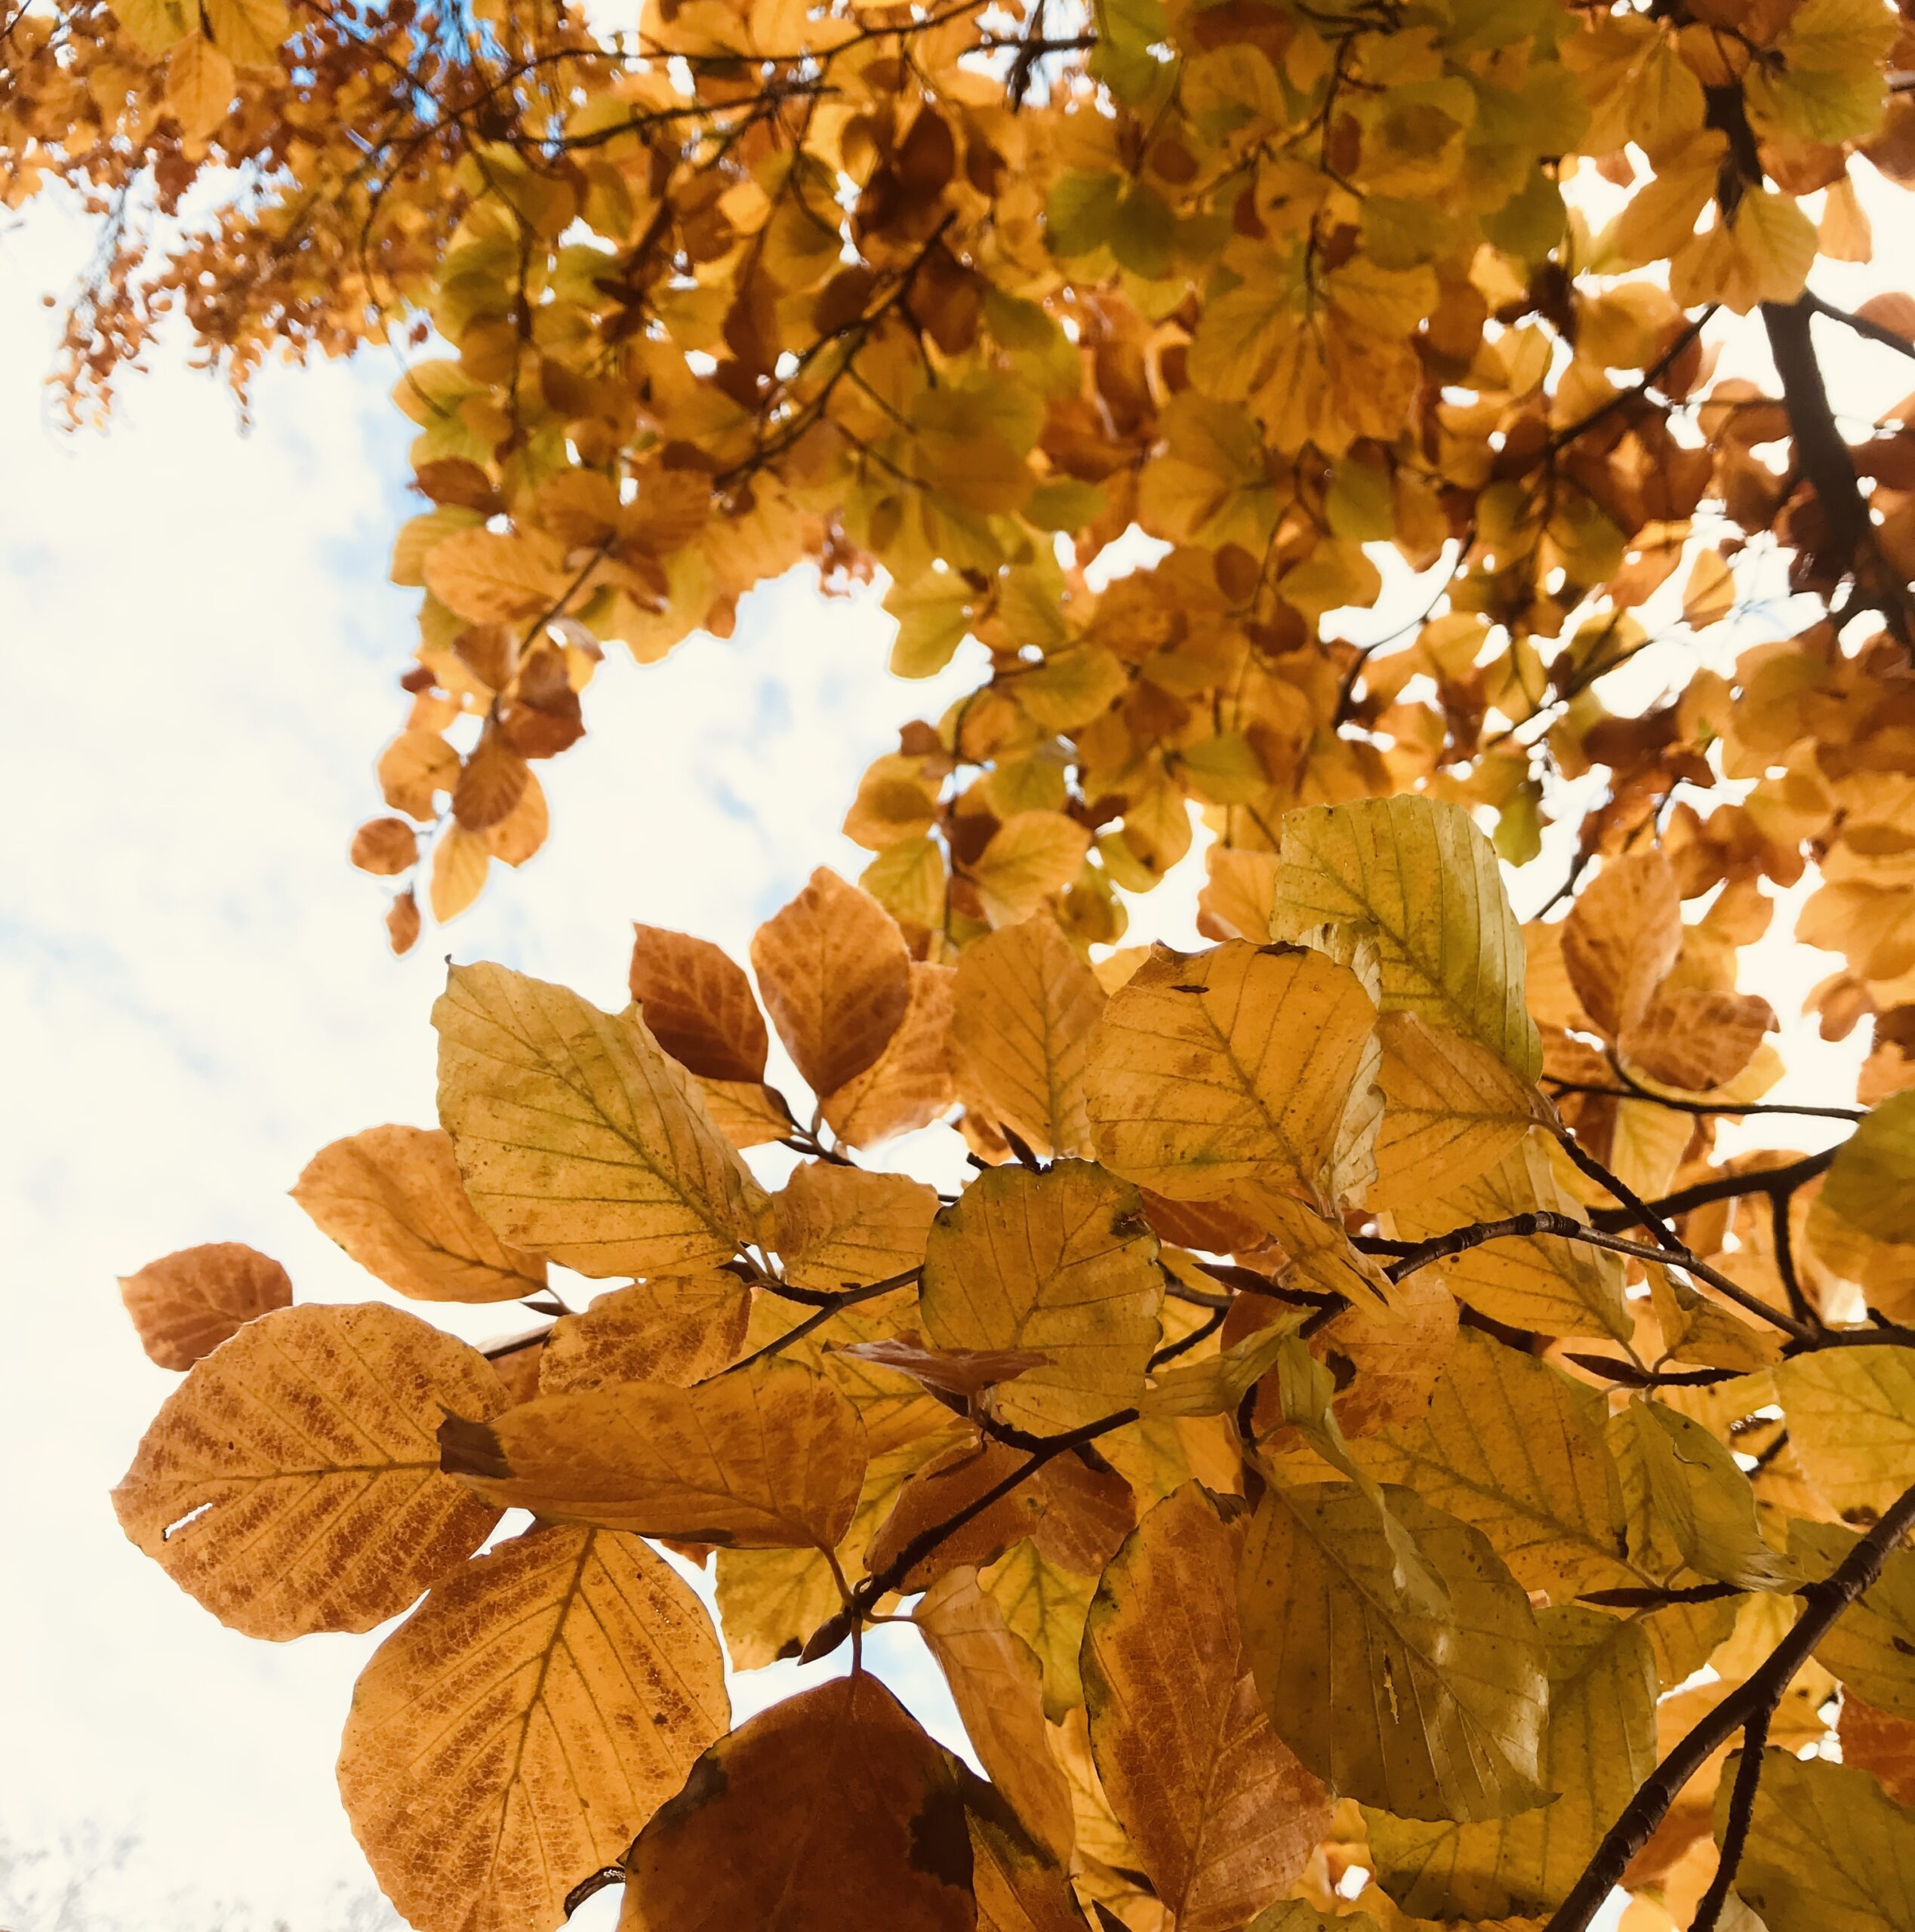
column 200, row 650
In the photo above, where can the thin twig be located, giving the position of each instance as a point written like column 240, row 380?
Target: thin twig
column 1736, row 1830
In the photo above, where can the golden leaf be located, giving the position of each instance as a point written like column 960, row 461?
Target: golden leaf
column 392, row 1199
column 184, row 1305
column 676, row 1328
column 510, row 1738
column 1031, row 856
column 1060, row 1263
column 1022, row 1007
column 839, row 1227
column 576, row 1137
column 1233, row 1066
column 909, row 1084
column 1621, row 937
column 995, row 1683
column 291, row 1483
column 768, row 1455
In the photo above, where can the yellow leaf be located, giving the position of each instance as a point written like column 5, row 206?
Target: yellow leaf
column 1427, row 1712
column 1514, row 1448
column 1852, row 1423
column 1598, row 1744
column 1871, row 1646
column 1022, row 1007
column 678, row 1328
column 461, row 860
column 1763, row 254
column 184, row 1305
column 768, row 1456
column 836, row 979
column 1060, row 1263
column 1421, row 878
column 1045, row 1605
column 1452, row 1110
column 839, row 1227
column 392, row 1199
column 414, row 768
column 996, row 1684
column 510, row 1738
column 1710, row 594
column 1031, row 856
column 754, row 1842
column 577, row 1138
column 291, row 1483
column 156, row 26
column 1223, row 1817
column 490, row 576
column 1211, row 1069
column 199, row 87
column 250, row 33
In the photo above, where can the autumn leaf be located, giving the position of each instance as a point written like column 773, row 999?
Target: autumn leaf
column 392, row 1199
column 1060, row 1263
column 1222, row 1813
column 698, row 1005
column 184, row 1305
column 677, row 1328
column 836, row 977
column 1225, row 1067
column 769, row 1455
column 576, row 1137
column 291, row 1483
column 534, row 1712
column 1325, row 1619
column 750, row 1840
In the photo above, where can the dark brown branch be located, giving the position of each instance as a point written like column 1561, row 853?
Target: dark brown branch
column 1587, row 1164
column 1655, row 1597
column 1771, row 1181
column 1822, row 1603
column 1875, row 331
column 1735, row 1832
column 835, row 1629
column 1632, row 1092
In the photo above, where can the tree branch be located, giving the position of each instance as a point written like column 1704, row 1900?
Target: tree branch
column 1756, row 1695
column 1735, row 1832
column 1771, row 1181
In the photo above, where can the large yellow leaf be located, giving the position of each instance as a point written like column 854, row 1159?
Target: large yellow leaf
column 1599, row 1745
column 1024, row 1005
column 1852, row 1423
column 1222, row 1814
column 1232, row 1067
column 1871, row 1647
column 291, row 1483
column 1419, row 876
column 770, row 1455
column 1539, row 1281
column 1828, row 1851
column 1452, row 1110
column 836, row 979
column 577, row 1136
column 996, row 1684
column 510, row 1737
column 495, row 576
column 1060, row 1263
column 677, row 1328
column 184, row 1305
column 1030, row 856
column 1514, row 1448
column 1428, row 1710
column 832, row 1808
column 392, row 1197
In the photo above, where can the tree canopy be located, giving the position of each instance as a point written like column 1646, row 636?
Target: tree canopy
column 1359, row 1451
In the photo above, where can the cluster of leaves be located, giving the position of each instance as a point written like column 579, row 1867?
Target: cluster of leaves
column 970, row 293
column 1317, row 1473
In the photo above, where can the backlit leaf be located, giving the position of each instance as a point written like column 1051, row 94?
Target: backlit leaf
column 184, row 1305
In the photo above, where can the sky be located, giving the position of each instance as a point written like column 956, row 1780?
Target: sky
column 200, row 651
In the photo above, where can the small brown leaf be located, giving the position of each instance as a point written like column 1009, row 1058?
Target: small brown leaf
column 402, row 922
column 491, row 784
column 184, row 1305
column 698, row 1005
column 385, row 846
column 960, row 1371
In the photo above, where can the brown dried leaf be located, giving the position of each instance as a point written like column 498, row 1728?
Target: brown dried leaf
column 184, row 1305
column 699, row 1004
column 677, row 1328
column 908, row 1085
column 1621, row 937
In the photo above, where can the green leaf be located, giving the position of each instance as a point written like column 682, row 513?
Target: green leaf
column 1514, row 1447
column 1420, row 876
column 1828, row 1850
column 1871, row 1184
column 1598, row 1745
column 1429, row 1714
